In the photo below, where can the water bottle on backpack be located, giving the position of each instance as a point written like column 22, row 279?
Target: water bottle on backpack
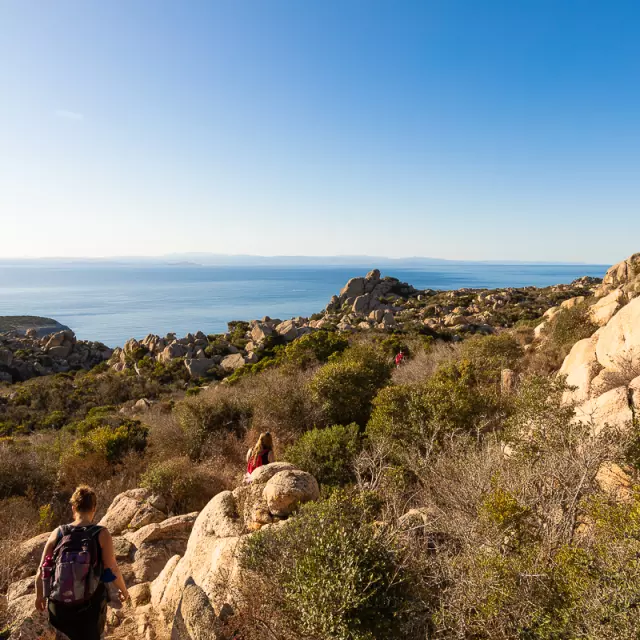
column 47, row 575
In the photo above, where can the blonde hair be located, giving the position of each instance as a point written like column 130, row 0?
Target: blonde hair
column 265, row 441
column 83, row 499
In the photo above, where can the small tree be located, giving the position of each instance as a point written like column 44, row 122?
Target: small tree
column 347, row 384
column 328, row 454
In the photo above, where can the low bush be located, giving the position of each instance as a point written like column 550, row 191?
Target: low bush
column 491, row 354
column 560, row 334
column 571, row 325
column 418, row 418
column 314, row 347
column 332, row 572
column 112, row 444
column 186, row 486
column 425, row 362
column 346, row 386
column 328, row 454
column 27, row 468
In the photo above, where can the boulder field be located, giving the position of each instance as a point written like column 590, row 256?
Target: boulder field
column 182, row 570
column 27, row 354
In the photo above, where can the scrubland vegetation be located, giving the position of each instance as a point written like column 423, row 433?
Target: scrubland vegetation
column 453, row 506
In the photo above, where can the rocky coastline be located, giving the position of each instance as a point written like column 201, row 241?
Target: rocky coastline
column 370, row 303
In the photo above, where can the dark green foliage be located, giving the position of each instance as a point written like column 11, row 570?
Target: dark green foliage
column 346, row 386
column 237, row 331
column 328, row 454
column 73, row 395
column 251, row 370
column 560, row 334
column 55, row 420
column 301, row 353
column 420, row 416
column 392, row 345
column 314, row 347
column 332, row 573
column 539, row 405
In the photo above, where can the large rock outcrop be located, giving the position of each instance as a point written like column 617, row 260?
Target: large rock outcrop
column 211, row 559
column 624, row 275
column 365, row 294
column 604, row 370
column 183, row 571
column 36, row 352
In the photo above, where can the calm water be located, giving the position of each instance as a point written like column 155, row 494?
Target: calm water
column 113, row 303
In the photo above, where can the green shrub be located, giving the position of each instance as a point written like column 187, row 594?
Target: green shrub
column 560, row 334
column 314, row 347
column 251, row 370
column 327, row 454
column 112, row 444
column 392, row 345
column 186, row 486
column 539, row 418
column 491, row 354
column 331, row 573
column 237, row 333
column 55, row 420
column 347, row 384
column 420, row 416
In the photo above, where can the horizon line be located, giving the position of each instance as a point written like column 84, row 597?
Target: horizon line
column 178, row 257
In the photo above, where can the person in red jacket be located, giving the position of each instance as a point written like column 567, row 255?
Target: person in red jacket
column 262, row 454
column 399, row 358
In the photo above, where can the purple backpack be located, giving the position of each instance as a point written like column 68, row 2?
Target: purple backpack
column 77, row 564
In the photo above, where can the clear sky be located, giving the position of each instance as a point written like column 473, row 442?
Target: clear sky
column 464, row 129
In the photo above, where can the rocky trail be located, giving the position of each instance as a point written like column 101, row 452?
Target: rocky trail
column 182, row 571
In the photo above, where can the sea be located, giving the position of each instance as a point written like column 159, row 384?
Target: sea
column 112, row 303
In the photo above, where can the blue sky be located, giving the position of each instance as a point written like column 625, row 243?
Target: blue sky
column 463, row 129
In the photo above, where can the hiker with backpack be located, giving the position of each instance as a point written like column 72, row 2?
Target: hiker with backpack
column 78, row 571
column 261, row 454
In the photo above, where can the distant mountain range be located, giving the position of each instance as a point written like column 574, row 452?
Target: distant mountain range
column 216, row 259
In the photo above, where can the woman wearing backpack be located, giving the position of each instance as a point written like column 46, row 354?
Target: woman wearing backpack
column 73, row 562
column 261, row 453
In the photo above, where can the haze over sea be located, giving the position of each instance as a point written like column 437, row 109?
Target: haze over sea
column 112, row 303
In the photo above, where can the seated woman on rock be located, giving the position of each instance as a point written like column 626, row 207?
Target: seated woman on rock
column 261, row 454
column 78, row 571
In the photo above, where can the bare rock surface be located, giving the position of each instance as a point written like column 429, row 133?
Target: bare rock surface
column 288, row 489
column 132, row 509
column 604, row 368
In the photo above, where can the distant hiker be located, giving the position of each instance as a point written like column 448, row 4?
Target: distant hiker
column 399, row 359
column 261, row 454
column 77, row 561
